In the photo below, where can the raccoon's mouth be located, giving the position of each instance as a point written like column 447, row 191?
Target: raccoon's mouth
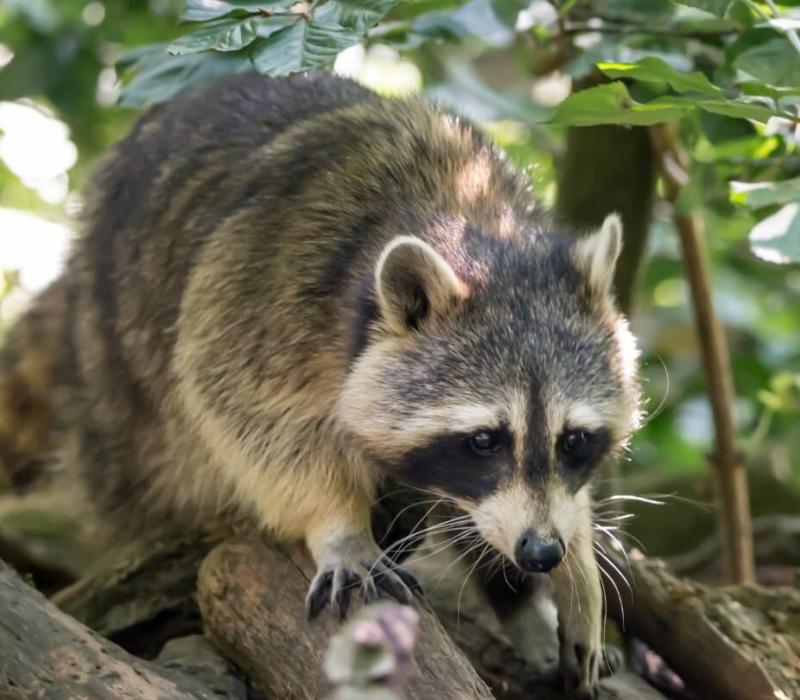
column 401, row 523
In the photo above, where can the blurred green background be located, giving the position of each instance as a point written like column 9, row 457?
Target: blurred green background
column 66, row 66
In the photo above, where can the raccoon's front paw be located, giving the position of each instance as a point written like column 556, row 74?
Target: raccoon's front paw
column 580, row 660
column 336, row 581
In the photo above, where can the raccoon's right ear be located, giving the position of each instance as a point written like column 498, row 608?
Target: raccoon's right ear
column 596, row 254
column 413, row 282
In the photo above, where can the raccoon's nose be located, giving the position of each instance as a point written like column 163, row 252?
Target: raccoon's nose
column 537, row 555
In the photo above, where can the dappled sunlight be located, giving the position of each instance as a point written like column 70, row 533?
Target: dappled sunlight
column 36, row 147
column 35, row 249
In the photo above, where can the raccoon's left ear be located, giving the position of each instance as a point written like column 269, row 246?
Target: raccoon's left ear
column 413, row 282
column 596, row 254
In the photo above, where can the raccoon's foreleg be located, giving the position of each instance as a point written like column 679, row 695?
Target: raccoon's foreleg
column 348, row 558
column 578, row 597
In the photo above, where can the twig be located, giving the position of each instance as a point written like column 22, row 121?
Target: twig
column 629, row 29
column 732, row 491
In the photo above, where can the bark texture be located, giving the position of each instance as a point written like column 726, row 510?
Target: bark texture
column 48, row 654
column 738, row 642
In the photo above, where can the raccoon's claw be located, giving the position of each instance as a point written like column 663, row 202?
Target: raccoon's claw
column 411, row 581
column 318, row 593
column 336, row 585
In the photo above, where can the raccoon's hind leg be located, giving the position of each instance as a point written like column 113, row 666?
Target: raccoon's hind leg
column 347, row 558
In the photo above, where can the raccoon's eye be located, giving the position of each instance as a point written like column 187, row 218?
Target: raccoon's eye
column 484, row 443
column 573, row 441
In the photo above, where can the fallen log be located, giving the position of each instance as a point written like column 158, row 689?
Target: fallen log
column 737, row 642
column 45, row 653
column 252, row 597
column 142, row 594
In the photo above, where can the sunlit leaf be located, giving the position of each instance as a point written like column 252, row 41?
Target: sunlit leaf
column 714, row 7
column 777, row 238
column 612, row 104
column 755, row 195
column 654, row 70
column 302, row 46
column 784, row 24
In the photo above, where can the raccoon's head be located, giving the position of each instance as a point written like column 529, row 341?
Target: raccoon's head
column 498, row 375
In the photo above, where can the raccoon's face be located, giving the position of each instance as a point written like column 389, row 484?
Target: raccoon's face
column 499, row 378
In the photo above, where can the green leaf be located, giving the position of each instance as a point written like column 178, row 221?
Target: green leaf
column 774, row 62
column 159, row 76
column 507, row 11
column 464, row 92
column 777, row 238
column 228, row 34
column 755, row 195
column 719, row 8
column 204, row 10
column 302, row 46
column 738, row 108
column 358, row 15
column 654, row 70
column 634, row 11
column 475, row 18
column 612, row 104
column 754, row 87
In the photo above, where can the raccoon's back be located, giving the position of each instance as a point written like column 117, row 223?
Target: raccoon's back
column 91, row 356
column 162, row 192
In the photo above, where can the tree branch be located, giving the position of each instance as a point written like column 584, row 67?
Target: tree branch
column 729, row 467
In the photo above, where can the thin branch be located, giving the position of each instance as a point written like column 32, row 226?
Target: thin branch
column 731, row 474
column 604, row 27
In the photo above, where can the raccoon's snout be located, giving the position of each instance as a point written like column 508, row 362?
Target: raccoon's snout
column 537, row 555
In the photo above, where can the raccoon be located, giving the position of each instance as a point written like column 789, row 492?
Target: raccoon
column 289, row 291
